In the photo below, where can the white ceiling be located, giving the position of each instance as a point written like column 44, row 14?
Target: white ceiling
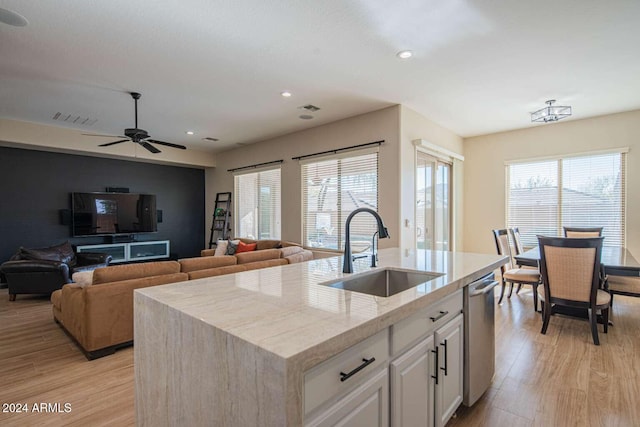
column 218, row 67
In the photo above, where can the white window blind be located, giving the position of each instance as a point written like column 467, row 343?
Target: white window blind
column 331, row 189
column 257, row 204
column 581, row 191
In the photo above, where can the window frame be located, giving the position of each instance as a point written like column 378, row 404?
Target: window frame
column 622, row 152
column 277, row 204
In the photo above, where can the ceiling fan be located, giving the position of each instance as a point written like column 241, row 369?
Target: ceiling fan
column 139, row 136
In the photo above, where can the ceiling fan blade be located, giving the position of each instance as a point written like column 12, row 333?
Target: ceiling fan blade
column 104, row 136
column 113, row 143
column 149, row 147
column 168, row 144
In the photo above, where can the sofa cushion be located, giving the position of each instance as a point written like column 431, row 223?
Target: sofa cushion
column 208, row 252
column 83, row 278
column 218, row 271
column 290, row 250
column 117, row 273
column 265, row 264
column 246, row 257
column 301, row 256
column 202, row 263
column 60, row 253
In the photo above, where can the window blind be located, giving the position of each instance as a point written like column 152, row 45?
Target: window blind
column 257, row 204
column 581, row 191
column 332, row 188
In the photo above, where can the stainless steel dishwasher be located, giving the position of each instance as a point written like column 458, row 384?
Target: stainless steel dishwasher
column 479, row 338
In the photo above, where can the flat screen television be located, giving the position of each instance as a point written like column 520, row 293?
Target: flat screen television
column 107, row 214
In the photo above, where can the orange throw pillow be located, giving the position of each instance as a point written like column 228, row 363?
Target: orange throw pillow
column 246, row 247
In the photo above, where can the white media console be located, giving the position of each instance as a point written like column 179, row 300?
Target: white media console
column 131, row 251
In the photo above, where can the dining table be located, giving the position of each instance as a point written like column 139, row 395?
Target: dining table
column 614, row 261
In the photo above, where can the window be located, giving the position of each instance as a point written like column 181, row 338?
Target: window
column 332, row 188
column 257, row 204
column 580, row 191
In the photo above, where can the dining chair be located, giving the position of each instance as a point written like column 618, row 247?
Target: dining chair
column 570, row 270
column 616, row 283
column 516, row 243
column 582, row 231
column 511, row 274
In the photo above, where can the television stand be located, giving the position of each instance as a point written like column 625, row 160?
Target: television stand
column 131, row 251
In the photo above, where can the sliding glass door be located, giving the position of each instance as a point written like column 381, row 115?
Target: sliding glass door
column 433, row 209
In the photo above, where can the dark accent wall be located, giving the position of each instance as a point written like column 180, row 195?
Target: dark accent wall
column 36, row 185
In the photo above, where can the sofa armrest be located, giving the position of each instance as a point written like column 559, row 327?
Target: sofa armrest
column 207, row 252
column 34, row 265
column 93, row 258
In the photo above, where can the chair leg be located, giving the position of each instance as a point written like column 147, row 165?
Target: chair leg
column 519, row 287
column 547, row 315
column 510, row 290
column 501, row 292
column 593, row 320
column 605, row 319
column 12, row 297
column 535, row 297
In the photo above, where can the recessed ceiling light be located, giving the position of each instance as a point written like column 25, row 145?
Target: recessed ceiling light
column 404, row 54
column 286, row 94
column 190, row 132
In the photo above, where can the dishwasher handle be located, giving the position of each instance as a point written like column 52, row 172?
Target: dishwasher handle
column 482, row 288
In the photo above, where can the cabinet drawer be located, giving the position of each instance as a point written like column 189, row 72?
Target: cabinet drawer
column 425, row 321
column 326, row 380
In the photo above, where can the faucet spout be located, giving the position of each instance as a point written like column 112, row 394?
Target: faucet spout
column 347, row 265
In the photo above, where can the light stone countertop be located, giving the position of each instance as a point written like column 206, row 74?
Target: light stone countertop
column 285, row 311
column 233, row 349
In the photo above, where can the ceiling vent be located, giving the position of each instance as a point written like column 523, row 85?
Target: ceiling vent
column 208, row 138
column 310, row 107
column 71, row 119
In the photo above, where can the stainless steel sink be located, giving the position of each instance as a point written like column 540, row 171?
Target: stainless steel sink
column 383, row 283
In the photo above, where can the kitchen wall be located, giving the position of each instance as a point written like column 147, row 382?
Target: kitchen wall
column 485, row 156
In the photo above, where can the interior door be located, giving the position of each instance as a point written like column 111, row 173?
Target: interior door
column 433, row 209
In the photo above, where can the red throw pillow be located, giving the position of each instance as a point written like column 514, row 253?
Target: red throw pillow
column 246, row 247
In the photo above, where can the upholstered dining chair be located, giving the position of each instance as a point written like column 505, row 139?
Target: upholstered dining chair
column 582, row 231
column 570, row 270
column 516, row 244
column 511, row 274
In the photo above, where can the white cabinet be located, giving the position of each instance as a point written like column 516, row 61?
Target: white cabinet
column 131, row 251
column 449, row 388
column 366, row 406
column 421, row 386
column 412, row 386
column 426, row 379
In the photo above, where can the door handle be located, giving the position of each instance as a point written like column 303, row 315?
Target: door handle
column 444, row 344
column 365, row 363
column 436, row 365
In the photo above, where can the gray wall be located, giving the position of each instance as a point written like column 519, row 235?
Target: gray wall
column 36, row 185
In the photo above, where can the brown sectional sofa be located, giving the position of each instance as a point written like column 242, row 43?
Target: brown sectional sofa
column 98, row 314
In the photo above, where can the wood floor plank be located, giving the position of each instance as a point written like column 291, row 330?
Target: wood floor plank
column 557, row 379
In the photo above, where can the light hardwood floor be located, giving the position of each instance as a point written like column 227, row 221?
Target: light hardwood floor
column 558, row 379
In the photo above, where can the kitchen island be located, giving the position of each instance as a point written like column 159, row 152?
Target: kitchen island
column 234, row 349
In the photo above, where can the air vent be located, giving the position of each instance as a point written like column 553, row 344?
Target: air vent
column 208, row 138
column 310, row 107
column 71, row 119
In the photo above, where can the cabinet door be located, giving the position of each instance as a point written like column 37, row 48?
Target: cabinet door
column 366, row 406
column 449, row 389
column 412, row 386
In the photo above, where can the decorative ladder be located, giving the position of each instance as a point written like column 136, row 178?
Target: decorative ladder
column 221, row 227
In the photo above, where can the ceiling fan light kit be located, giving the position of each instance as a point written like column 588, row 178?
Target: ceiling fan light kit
column 137, row 135
column 551, row 113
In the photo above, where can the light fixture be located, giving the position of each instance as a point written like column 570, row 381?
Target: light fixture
column 286, row 94
column 404, row 54
column 551, row 113
column 190, row 132
column 12, row 18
